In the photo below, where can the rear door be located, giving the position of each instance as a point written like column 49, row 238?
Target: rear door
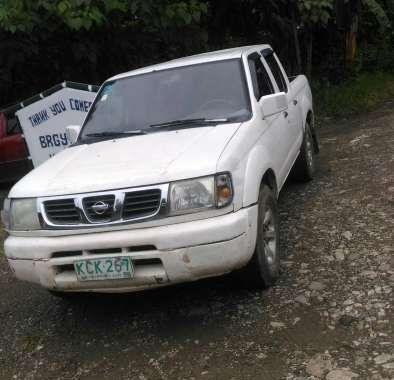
column 277, row 125
column 293, row 130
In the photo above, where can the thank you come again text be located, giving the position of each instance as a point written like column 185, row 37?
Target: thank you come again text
column 44, row 122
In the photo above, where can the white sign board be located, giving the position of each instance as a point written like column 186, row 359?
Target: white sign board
column 44, row 122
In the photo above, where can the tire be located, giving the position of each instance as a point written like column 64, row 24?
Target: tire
column 263, row 268
column 305, row 165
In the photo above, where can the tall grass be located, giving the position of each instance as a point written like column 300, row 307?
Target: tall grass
column 361, row 94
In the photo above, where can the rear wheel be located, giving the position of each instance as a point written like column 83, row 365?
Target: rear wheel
column 263, row 269
column 304, row 167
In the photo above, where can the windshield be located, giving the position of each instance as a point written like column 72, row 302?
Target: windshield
column 209, row 91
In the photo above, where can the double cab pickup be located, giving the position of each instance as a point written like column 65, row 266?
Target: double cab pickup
column 174, row 176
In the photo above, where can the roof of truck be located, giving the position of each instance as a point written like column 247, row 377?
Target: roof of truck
column 194, row 59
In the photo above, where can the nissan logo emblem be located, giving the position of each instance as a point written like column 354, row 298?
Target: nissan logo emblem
column 100, row 207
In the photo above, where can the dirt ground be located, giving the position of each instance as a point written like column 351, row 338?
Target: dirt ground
column 330, row 316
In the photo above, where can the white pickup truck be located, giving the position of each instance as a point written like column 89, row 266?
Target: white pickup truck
column 174, row 176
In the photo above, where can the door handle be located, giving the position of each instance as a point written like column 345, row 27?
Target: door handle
column 295, row 102
column 285, row 114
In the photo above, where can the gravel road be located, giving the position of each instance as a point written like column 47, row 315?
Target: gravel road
column 331, row 315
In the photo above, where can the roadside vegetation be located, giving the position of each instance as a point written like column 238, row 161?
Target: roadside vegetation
column 360, row 94
column 337, row 43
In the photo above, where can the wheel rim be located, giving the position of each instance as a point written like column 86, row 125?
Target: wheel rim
column 309, row 150
column 269, row 240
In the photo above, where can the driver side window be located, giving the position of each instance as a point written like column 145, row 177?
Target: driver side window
column 262, row 84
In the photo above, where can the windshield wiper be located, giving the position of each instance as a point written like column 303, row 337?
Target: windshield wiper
column 117, row 134
column 198, row 121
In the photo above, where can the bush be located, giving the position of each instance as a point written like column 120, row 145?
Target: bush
column 359, row 94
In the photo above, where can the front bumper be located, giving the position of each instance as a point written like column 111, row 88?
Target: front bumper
column 161, row 255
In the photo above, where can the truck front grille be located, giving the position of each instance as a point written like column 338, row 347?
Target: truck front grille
column 103, row 208
column 138, row 204
column 62, row 211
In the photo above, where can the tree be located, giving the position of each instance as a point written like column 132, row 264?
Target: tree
column 25, row 15
column 45, row 41
column 314, row 14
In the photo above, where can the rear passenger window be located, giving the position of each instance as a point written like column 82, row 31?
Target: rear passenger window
column 276, row 72
column 261, row 82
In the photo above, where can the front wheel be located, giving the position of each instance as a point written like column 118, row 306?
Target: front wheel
column 263, row 269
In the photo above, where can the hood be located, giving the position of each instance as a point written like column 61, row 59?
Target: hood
column 132, row 161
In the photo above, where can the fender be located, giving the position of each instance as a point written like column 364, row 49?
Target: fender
column 307, row 108
column 306, row 105
column 258, row 163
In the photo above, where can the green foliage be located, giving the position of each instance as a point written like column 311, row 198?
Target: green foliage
column 316, row 11
column 376, row 57
column 25, row 15
column 43, row 42
column 380, row 14
column 359, row 94
column 156, row 15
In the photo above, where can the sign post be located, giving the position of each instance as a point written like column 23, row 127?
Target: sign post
column 44, row 122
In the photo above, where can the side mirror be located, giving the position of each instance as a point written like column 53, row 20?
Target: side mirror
column 273, row 104
column 72, row 132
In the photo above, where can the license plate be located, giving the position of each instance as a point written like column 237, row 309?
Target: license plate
column 106, row 268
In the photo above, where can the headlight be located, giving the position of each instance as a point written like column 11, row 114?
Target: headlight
column 199, row 194
column 23, row 215
column 223, row 189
